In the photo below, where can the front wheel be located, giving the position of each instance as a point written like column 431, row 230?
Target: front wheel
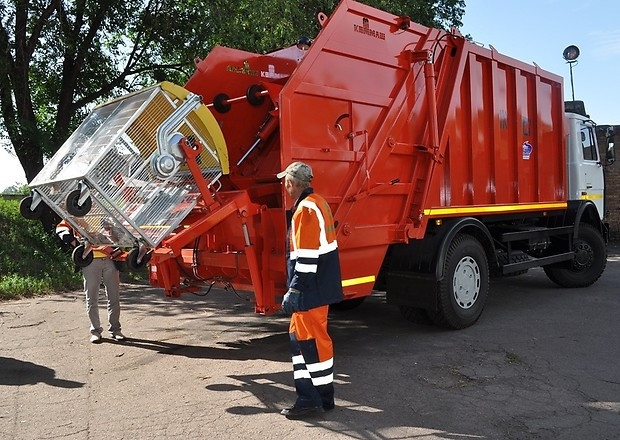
column 465, row 285
column 588, row 263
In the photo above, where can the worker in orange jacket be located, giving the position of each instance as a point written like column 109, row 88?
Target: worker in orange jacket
column 102, row 268
column 314, row 282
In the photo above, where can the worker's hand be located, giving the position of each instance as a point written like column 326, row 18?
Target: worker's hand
column 291, row 301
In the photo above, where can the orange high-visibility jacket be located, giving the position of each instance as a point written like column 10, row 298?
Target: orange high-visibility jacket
column 312, row 252
column 65, row 232
column 67, row 235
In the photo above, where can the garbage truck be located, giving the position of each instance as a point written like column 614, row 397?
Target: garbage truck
column 444, row 163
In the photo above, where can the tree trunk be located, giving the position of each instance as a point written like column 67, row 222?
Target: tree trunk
column 30, row 156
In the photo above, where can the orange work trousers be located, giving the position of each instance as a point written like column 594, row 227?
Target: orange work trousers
column 313, row 358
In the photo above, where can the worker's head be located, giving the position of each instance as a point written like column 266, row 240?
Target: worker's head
column 297, row 177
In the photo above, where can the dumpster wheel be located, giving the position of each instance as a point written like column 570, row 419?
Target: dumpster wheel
column 78, row 257
column 132, row 259
column 26, row 212
column 74, row 208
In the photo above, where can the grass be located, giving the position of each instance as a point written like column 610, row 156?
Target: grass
column 31, row 261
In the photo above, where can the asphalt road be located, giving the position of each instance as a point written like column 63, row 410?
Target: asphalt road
column 542, row 363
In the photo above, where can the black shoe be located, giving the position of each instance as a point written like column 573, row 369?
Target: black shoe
column 328, row 406
column 302, row 412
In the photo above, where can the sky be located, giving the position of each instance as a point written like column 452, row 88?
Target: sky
column 533, row 32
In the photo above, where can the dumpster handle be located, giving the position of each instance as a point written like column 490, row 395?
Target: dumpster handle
column 191, row 103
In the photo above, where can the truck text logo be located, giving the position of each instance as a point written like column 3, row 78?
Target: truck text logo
column 245, row 70
column 365, row 29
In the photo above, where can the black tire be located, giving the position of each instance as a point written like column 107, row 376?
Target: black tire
column 132, row 259
column 464, row 288
column 589, row 262
column 78, row 258
column 74, row 208
column 416, row 315
column 26, row 212
column 348, row 304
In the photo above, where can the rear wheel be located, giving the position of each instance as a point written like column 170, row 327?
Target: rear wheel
column 465, row 285
column 588, row 264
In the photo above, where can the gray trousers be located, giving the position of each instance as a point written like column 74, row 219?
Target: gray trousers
column 102, row 268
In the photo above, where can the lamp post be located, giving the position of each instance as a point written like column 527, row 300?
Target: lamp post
column 570, row 55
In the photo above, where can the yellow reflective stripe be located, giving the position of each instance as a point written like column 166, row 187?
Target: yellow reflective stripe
column 591, row 196
column 495, row 208
column 355, row 281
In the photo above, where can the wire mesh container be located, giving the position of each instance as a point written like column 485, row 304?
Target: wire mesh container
column 104, row 169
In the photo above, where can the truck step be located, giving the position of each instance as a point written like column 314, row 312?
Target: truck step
column 524, row 261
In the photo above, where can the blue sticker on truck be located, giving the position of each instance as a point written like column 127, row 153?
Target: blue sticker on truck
column 527, row 150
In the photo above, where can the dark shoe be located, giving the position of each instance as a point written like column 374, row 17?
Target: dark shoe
column 328, row 406
column 302, row 412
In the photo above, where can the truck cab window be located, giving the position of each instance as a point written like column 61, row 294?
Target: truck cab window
column 587, row 144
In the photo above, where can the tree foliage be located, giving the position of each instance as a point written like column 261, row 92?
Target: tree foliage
column 59, row 57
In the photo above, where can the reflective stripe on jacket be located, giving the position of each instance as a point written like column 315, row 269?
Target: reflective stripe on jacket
column 66, row 234
column 313, row 266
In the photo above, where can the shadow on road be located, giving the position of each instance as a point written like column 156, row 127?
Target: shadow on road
column 17, row 372
column 538, row 364
column 272, row 348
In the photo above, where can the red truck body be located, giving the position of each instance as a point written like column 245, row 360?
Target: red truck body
column 405, row 127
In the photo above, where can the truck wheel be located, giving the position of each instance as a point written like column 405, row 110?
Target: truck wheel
column 465, row 285
column 348, row 304
column 589, row 262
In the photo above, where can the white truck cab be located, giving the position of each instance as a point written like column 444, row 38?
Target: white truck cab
column 585, row 172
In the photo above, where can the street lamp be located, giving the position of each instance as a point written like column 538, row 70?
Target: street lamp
column 570, row 55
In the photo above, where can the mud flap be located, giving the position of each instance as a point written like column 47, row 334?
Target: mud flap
column 412, row 289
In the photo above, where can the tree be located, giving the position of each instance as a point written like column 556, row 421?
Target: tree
column 16, row 189
column 59, row 57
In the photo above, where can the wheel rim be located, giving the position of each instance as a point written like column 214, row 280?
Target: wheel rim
column 466, row 282
column 584, row 255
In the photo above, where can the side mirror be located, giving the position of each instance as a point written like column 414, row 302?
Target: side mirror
column 610, row 155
